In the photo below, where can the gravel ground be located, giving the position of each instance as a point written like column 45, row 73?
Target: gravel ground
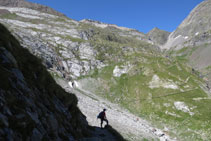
column 128, row 125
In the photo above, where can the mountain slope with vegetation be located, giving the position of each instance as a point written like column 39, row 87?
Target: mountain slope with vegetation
column 121, row 65
column 191, row 41
column 197, row 23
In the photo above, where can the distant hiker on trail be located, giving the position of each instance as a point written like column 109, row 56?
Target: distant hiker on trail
column 102, row 117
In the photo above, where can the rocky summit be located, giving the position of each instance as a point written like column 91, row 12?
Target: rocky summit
column 155, row 86
column 158, row 36
column 191, row 41
column 196, row 24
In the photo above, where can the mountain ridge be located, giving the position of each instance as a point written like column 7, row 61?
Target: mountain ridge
column 197, row 22
column 27, row 4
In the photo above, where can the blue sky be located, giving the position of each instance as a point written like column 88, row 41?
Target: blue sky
column 142, row 15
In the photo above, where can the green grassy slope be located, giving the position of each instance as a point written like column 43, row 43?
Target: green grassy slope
column 132, row 89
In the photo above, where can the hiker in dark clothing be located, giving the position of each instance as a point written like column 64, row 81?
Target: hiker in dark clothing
column 102, row 116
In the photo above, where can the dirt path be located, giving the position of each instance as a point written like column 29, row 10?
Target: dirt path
column 128, row 125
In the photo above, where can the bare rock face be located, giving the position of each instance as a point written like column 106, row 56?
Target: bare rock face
column 158, row 36
column 26, row 4
column 197, row 22
column 10, row 2
column 4, row 11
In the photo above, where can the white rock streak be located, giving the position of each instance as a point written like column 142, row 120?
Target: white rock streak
column 28, row 16
column 156, row 82
column 27, row 11
column 118, row 71
column 182, row 107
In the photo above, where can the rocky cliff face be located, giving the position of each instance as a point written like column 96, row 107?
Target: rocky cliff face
column 196, row 24
column 158, row 36
column 192, row 40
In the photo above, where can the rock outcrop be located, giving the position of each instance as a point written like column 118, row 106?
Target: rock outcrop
column 197, row 23
column 26, row 4
column 4, row 11
column 158, row 36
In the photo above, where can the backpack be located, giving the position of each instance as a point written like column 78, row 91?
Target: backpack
column 100, row 115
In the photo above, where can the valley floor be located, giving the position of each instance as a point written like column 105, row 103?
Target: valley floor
column 128, row 125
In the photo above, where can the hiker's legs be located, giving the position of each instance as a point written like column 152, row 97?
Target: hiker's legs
column 101, row 123
column 106, row 121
